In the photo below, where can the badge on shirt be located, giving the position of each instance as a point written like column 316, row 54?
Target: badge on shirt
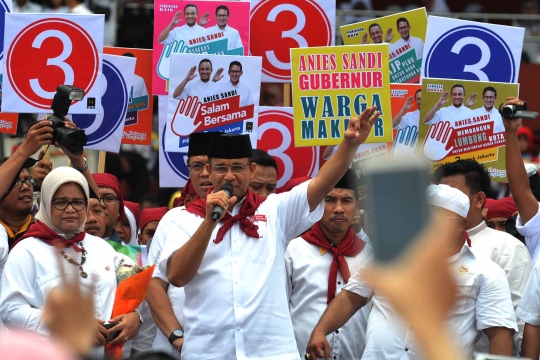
column 463, row 269
column 259, row 217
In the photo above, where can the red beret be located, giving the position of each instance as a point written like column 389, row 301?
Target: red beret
column 111, row 182
column 489, row 203
column 503, row 208
column 135, row 210
column 152, row 214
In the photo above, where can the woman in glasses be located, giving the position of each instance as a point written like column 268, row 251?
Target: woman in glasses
column 33, row 270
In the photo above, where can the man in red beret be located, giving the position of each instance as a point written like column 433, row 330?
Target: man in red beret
column 499, row 212
column 111, row 197
column 149, row 222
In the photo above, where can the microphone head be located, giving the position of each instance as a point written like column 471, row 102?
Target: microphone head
column 228, row 188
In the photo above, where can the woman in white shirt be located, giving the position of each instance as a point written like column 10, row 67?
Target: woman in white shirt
column 31, row 270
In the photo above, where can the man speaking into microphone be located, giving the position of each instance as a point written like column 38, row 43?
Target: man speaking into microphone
column 233, row 269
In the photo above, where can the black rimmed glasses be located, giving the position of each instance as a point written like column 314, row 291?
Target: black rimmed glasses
column 62, row 204
column 29, row 181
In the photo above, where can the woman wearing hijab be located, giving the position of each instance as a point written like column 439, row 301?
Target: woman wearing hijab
column 32, row 268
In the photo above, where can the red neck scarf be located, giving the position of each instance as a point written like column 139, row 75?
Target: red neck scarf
column 44, row 233
column 248, row 208
column 350, row 246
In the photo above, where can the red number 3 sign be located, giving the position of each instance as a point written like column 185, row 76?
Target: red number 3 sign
column 275, row 137
column 46, row 52
column 279, row 25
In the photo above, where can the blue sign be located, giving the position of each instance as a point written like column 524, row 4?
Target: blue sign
column 471, row 52
column 4, row 8
column 175, row 159
column 114, row 104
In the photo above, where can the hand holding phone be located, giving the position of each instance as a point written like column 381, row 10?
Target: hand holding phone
column 112, row 335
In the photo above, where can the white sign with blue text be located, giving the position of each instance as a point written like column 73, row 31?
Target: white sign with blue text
column 468, row 50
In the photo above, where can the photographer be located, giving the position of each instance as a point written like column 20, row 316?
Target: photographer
column 528, row 220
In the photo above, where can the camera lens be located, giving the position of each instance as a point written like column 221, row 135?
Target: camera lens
column 73, row 139
column 509, row 111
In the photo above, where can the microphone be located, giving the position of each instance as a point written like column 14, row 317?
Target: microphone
column 216, row 213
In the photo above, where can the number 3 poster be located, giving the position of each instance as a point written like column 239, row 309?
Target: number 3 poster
column 468, row 50
column 42, row 52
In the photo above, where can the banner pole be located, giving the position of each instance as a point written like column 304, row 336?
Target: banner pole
column 101, row 161
column 287, row 94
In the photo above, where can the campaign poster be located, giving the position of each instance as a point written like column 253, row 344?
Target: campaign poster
column 277, row 26
column 459, row 119
column 105, row 129
column 406, row 100
column 42, row 52
column 8, row 121
column 196, row 27
column 173, row 170
column 138, row 124
column 275, row 136
column 332, row 84
column 405, row 33
column 468, row 50
column 212, row 93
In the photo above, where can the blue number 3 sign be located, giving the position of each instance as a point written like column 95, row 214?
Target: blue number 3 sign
column 471, row 52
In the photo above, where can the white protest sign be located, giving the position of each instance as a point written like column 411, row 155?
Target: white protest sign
column 212, row 93
column 468, row 50
column 43, row 51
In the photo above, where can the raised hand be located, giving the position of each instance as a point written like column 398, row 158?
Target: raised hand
column 471, row 100
column 360, row 126
column 443, row 99
column 191, row 73
column 218, row 75
column 408, row 104
column 389, row 35
column 365, row 39
column 514, row 124
column 183, row 122
column 38, row 135
column 436, row 146
column 405, row 142
column 164, row 64
column 204, row 19
column 176, row 19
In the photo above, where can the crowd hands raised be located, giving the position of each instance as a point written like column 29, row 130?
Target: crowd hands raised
column 277, row 276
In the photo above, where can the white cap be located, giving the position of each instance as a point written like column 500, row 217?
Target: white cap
column 448, row 198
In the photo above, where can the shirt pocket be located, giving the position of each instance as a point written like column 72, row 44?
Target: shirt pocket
column 262, row 250
column 466, row 294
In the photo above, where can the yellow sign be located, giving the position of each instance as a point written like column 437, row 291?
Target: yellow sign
column 333, row 84
column 405, row 33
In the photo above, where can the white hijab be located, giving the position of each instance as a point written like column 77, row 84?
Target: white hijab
column 50, row 185
column 134, row 239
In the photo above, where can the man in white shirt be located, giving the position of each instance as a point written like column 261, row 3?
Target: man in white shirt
column 483, row 301
column 529, row 311
column 190, row 33
column 502, row 248
column 234, row 87
column 78, row 7
column 375, row 33
column 406, row 42
column 319, row 264
column 453, row 113
column 166, row 301
column 488, row 112
column 26, row 6
column 404, row 118
column 223, row 30
column 235, row 286
column 528, row 220
column 203, row 87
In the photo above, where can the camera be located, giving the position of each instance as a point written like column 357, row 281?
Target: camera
column 517, row 111
column 73, row 139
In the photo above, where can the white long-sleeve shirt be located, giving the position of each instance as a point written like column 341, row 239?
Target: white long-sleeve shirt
column 237, row 298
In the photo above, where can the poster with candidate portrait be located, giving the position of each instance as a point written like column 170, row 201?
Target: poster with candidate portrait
column 196, row 27
column 138, row 124
column 406, row 100
column 459, row 119
column 212, row 93
column 405, row 33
